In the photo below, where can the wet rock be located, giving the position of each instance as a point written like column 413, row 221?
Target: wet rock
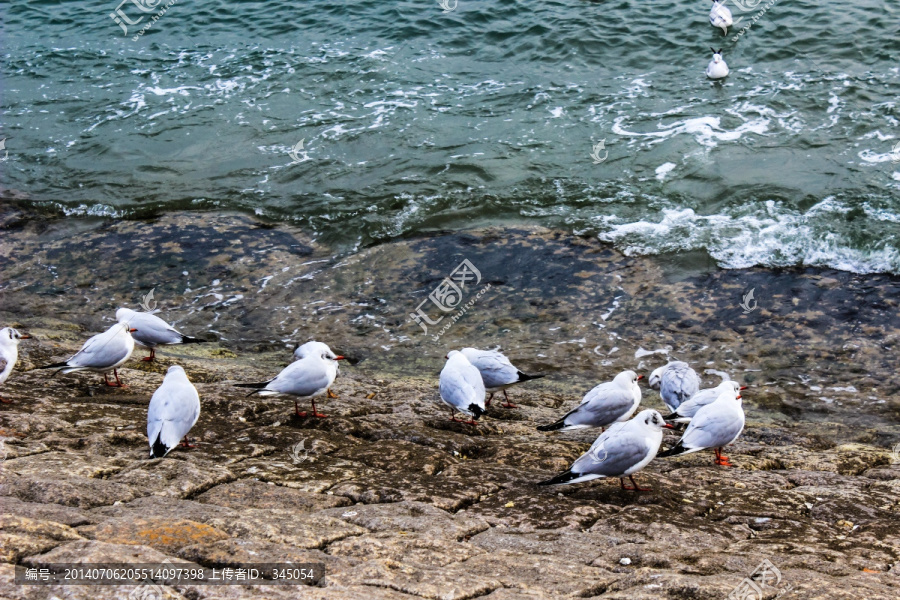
column 254, row 494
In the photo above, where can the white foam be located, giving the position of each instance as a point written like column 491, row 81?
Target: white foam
column 663, row 169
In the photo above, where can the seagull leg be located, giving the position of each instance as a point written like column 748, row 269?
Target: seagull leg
column 507, row 404
column 721, row 459
column 622, row 483
column 297, row 410
column 151, row 357
column 638, row 488
column 488, row 401
column 331, row 394
column 118, row 383
column 186, row 443
column 316, row 413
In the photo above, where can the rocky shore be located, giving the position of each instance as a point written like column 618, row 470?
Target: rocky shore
column 394, row 499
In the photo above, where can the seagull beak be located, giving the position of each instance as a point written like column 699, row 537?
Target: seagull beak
column 640, row 377
column 132, row 330
column 338, row 358
column 668, row 426
column 738, row 397
column 24, row 337
column 743, row 387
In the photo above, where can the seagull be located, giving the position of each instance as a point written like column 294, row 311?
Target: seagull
column 621, row 451
column 607, row 403
column 717, row 69
column 9, row 353
column 313, row 347
column 720, row 16
column 497, row 372
column 689, row 408
column 462, row 387
column 102, row 353
column 174, row 409
column 714, row 426
column 306, row 378
column 676, row 383
column 153, row 331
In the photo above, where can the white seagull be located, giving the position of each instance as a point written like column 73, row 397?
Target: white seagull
column 9, row 353
column 306, row 378
column 676, row 382
column 714, row 426
column 497, row 372
column 621, row 451
column 689, row 408
column 720, row 16
column 102, row 353
column 153, row 331
column 607, row 403
column 717, row 69
column 174, row 410
column 462, row 388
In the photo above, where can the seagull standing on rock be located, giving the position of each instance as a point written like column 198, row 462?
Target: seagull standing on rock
column 314, row 347
column 497, row 372
column 621, row 451
column 462, row 387
column 607, row 403
column 9, row 353
column 676, row 382
column 689, row 408
column 306, row 378
column 153, row 331
column 714, row 426
column 174, row 410
column 102, row 353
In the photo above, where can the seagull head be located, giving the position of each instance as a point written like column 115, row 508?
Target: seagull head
column 652, row 419
column 126, row 327
column 10, row 336
column 717, row 55
column 124, row 314
column 627, row 379
column 656, row 377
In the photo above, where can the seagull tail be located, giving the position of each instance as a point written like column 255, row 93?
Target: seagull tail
column 566, row 477
column 58, row 365
column 674, row 450
column 186, row 339
column 527, row 377
column 553, row 426
column 158, row 449
column 672, row 418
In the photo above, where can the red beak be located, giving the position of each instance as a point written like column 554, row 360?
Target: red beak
column 338, row 358
column 640, row 377
column 743, row 387
column 132, row 330
column 24, row 337
column 668, row 426
column 738, row 397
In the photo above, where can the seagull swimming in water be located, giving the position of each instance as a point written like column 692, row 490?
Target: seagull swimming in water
column 717, row 69
column 621, row 451
column 173, row 411
column 720, row 16
column 102, row 353
column 607, row 403
column 9, row 353
column 497, row 372
column 152, row 331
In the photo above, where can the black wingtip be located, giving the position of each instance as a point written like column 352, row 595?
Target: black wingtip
column 561, row 478
column 55, row 366
column 476, row 410
column 552, row 426
column 258, row 386
column 186, row 339
column 527, row 377
column 158, row 449
column 673, row 451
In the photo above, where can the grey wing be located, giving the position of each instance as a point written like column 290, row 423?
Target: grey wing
column 152, row 331
column 678, row 384
column 601, row 406
column 712, row 427
column 174, row 409
column 496, row 370
column 613, row 456
column 100, row 351
column 690, row 407
column 456, row 390
column 301, row 378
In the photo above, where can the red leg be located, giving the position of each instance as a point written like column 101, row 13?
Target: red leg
column 316, row 413
column 638, row 488
column 488, row 401
column 152, row 355
column 721, row 459
column 331, row 394
column 622, row 483
column 297, row 410
column 508, row 404
column 186, row 443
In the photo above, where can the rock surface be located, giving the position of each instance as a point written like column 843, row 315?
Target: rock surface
column 395, row 500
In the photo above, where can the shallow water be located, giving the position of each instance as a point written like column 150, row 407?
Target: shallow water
column 415, row 119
